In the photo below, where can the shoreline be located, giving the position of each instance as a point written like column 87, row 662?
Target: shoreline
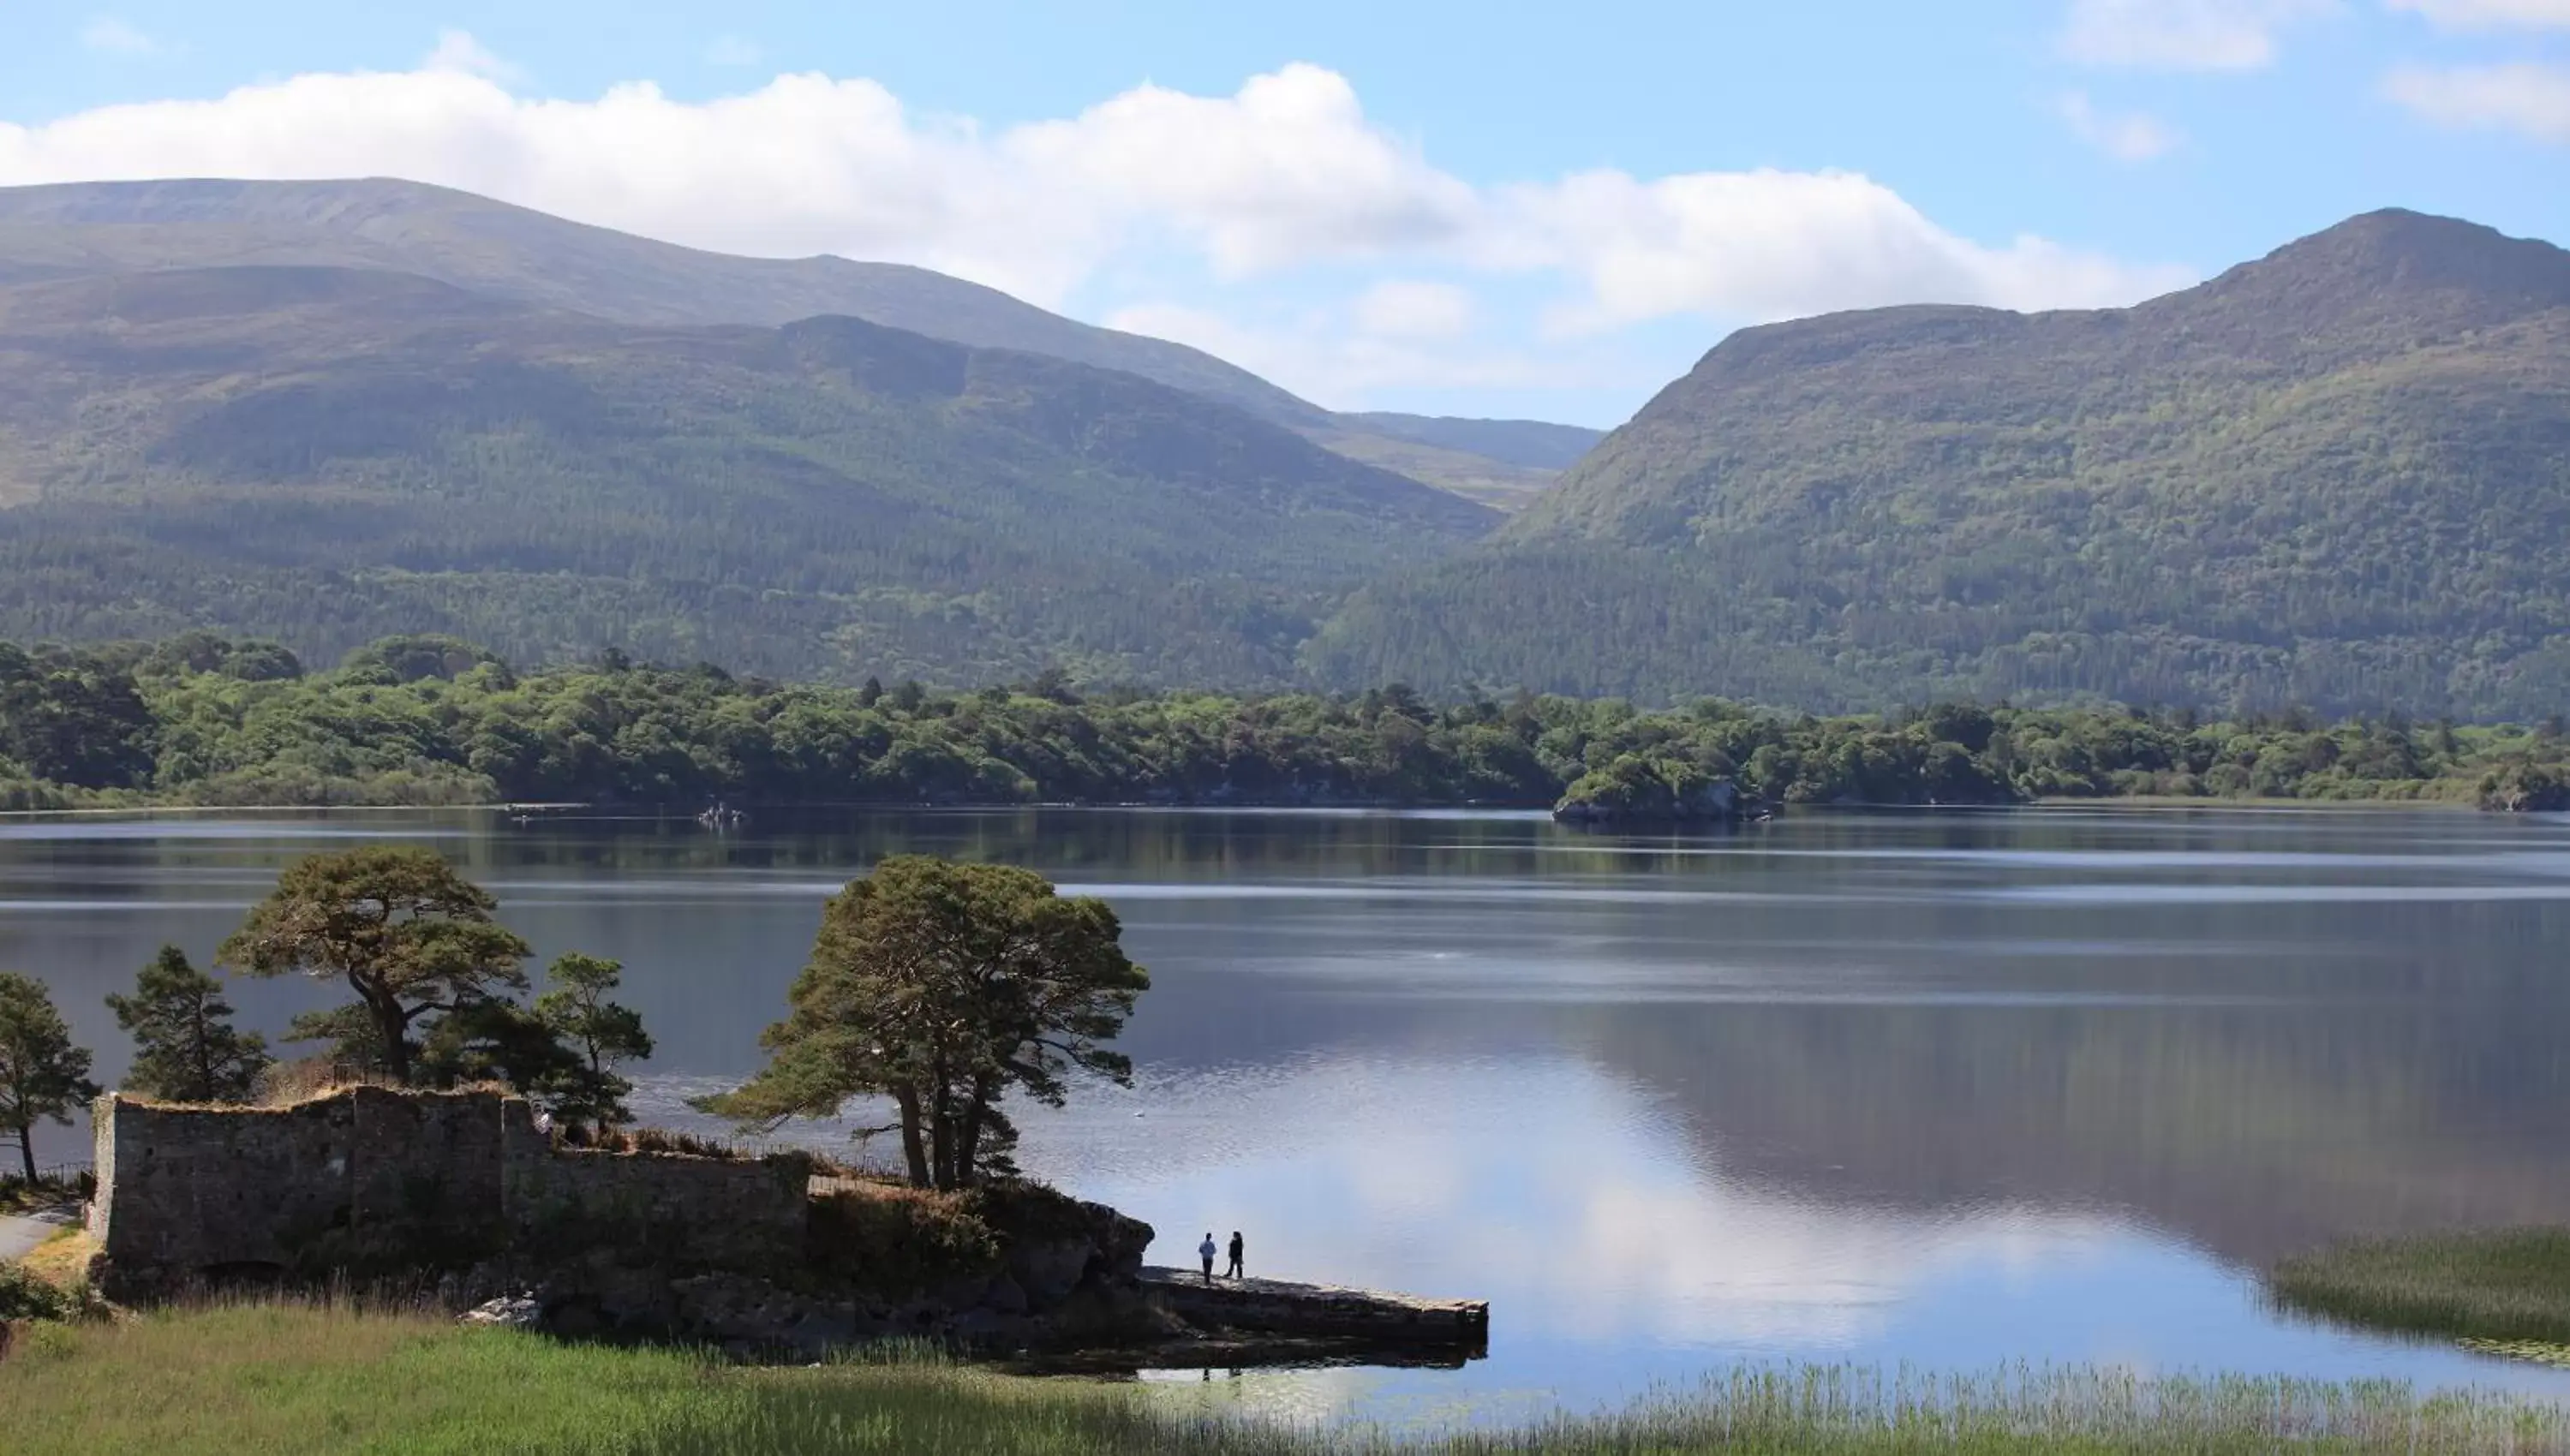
column 2134, row 804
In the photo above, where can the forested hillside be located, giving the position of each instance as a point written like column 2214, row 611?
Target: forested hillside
column 515, row 254
column 2338, row 475
column 329, row 456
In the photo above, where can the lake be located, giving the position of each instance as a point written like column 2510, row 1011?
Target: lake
column 1945, row 1089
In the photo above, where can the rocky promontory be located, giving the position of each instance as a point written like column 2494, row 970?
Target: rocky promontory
column 460, row 1197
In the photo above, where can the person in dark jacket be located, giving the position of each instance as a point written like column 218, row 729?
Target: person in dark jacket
column 1236, row 1248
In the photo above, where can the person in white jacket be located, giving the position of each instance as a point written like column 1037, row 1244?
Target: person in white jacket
column 1206, row 1251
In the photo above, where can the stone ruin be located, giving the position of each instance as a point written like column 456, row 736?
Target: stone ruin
column 461, row 1194
column 372, row 1180
column 459, row 1197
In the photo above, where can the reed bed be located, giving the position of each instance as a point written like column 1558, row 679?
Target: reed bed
column 293, row 1378
column 2510, row 1286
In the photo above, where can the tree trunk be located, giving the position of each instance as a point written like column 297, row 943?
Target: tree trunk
column 27, row 1149
column 205, row 1062
column 914, row 1149
column 968, row 1141
column 394, row 1028
column 941, row 1137
column 968, row 1148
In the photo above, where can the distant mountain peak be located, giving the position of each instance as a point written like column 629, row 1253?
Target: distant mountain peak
column 2396, row 252
column 2339, row 475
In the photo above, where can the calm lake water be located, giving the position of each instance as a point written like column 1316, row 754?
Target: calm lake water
column 1948, row 1090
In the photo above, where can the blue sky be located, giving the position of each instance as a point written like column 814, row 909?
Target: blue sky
column 1483, row 208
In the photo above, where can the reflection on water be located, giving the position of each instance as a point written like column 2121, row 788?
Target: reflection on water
column 1951, row 1089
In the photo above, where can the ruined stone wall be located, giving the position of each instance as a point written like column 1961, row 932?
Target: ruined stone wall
column 375, row 1182
column 427, row 1173
column 749, row 1217
column 178, row 1189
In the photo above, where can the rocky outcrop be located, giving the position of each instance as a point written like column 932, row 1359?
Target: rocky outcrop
column 1321, row 1311
column 2524, row 788
column 1039, row 1289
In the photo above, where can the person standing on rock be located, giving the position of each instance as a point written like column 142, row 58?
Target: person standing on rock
column 1236, row 1248
column 1206, row 1252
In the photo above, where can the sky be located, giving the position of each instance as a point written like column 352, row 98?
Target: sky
column 1484, row 209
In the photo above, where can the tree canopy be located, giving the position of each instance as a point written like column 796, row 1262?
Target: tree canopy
column 184, row 1047
column 431, row 721
column 944, row 988
column 42, row 1075
column 407, row 933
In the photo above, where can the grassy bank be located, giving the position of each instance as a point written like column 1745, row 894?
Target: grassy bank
column 2510, row 1286
column 290, row 1380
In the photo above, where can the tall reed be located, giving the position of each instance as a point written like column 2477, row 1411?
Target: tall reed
column 335, row 1377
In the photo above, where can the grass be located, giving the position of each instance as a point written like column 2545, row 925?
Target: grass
column 62, row 1260
column 2507, row 1287
column 289, row 1378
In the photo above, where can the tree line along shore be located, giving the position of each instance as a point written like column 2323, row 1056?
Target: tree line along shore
column 200, row 720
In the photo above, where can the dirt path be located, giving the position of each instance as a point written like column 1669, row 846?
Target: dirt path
column 18, row 1235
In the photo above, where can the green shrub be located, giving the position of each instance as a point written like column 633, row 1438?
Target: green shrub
column 894, row 1242
column 25, row 1296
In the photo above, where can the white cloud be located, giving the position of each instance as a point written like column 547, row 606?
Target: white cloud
column 2525, row 98
column 1402, row 308
column 1287, row 169
column 1286, row 173
column 459, row 52
column 731, row 50
column 2130, row 137
column 2182, row 35
column 2490, row 14
column 1767, row 244
column 117, row 38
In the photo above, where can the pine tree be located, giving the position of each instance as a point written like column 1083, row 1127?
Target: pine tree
column 407, row 933
column 185, row 1047
column 598, row 1033
column 42, row 1075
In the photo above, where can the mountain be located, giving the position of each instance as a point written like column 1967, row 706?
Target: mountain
column 329, row 454
column 1528, row 444
column 2338, row 475
column 1502, row 462
column 498, row 251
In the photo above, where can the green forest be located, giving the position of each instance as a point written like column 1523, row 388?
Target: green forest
column 200, row 719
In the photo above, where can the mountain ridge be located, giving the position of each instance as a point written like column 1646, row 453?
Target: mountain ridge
column 2335, row 475
column 524, row 255
column 326, row 455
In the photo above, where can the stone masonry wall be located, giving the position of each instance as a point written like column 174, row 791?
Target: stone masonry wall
column 373, row 1180
column 693, row 1212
